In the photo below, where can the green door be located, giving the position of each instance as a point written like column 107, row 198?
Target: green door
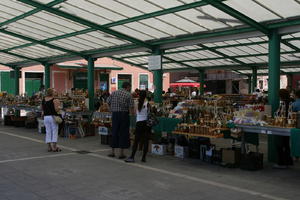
column 143, row 81
column 123, row 78
column 80, row 80
column 32, row 86
column 7, row 83
column 104, row 81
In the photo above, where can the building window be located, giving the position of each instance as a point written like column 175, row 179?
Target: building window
column 143, row 84
column 124, row 78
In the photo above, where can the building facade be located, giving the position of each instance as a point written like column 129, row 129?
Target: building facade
column 109, row 75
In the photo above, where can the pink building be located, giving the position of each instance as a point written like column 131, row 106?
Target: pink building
column 109, row 74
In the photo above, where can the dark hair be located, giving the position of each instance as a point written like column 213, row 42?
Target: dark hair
column 126, row 85
column 284, row 94
column 142, row 98
column 297, row 93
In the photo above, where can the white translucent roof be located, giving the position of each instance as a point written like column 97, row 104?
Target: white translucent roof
column 192, row 33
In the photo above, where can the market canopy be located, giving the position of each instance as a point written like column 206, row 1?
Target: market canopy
column 203, row 34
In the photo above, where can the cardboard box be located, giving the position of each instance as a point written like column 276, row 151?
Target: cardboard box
column 159, row 149
column 181, row 151
column 102, row 130
column 231, row 156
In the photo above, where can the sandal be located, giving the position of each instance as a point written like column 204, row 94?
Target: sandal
column 57, row 150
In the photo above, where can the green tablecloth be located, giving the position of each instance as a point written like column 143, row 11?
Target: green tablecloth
column 295, row 142
column 166, row 124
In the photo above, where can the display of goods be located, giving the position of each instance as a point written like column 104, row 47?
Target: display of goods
column 102, row 119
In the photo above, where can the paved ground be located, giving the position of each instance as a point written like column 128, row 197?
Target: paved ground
column 28, row 172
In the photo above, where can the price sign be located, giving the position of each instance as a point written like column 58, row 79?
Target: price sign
column 154, row 62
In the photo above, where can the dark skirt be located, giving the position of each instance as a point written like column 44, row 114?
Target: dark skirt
column 120, row 130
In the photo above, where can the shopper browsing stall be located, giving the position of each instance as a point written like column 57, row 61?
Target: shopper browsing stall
column 51, row 107
column 296, row 104
column 121, row 104
column 142, row 131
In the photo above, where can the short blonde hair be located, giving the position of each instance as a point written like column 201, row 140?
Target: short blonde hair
column 49, row 92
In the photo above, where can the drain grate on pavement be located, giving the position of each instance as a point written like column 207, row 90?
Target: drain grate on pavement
column 82, row 152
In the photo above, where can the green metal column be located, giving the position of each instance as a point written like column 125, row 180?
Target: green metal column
column 47, row 75
column 91, row 83
column 274, row 70
column 273, row 91
column 201, row 80
column 16, row 75
column 249, row 84
column 254, row 79
column 289, row 81
column 158, row 80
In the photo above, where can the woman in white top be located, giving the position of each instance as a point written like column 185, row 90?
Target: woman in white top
column 142, row 131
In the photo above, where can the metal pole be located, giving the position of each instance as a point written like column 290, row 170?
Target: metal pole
column 158, row 80
column 201, row 80
column 273, row 89
column 16, row 75
column 289, row 82
column 47, row 75
column 249, row 85
column 91, row 83
column 274, row 70
column 254, row 77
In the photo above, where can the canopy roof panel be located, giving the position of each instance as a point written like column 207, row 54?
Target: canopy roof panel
column 193, row 33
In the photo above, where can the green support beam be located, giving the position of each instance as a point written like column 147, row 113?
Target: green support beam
column 238, row 15
column 178, row 62
column 86, row 23
column 20, row 56
column 7, row 65
column 158, row 80
column 32, row 12
column 274, row 86
column 201, row 81
column 254, row 79
column 222, row 54
column 91, row 78
column 47, row 75
column 249, row 84
column 16, row 76
column 290, row 45
column 214, row 58
column 289, row 81
column 40, row 42
column 274, row 70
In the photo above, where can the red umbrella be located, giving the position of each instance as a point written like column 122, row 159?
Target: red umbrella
column 186, row 82
column 185, row 85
